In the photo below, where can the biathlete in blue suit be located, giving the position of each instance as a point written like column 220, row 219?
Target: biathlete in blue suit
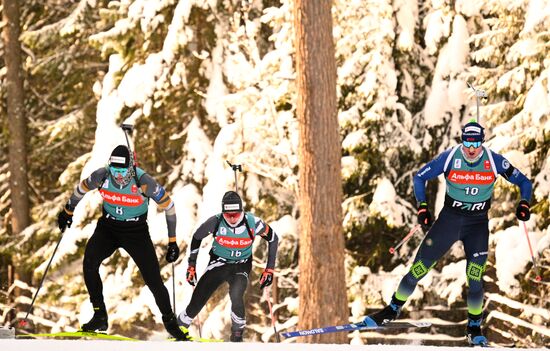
column 470, row 171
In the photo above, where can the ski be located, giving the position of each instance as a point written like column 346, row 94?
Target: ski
column 355, row 326
column 101, row 336
column 195, row 339
column 78, row 334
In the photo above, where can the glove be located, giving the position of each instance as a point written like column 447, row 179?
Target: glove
column 191, row 275
column 64, row 220
column 424, row 216
column 267, row 278
column 173, row 252
column 522, row 212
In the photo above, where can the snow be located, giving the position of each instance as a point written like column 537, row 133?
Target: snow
column 81, row 345
column 243, row 98
column 512, row 254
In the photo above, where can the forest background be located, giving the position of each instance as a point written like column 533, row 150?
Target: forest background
column 209, row 81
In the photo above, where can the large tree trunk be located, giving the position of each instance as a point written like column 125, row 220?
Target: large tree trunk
column 20, row 218
column 322, row 285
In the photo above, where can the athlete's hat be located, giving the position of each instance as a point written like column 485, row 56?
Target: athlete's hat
column 231, row 202
column 120, row 157
column 473, row 131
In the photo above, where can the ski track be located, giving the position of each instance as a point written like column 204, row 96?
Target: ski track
column 103, row 345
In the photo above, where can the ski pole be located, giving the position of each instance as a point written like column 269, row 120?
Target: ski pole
column 235, row 169
column 23, row 322
column 198, row 319
column 174, row 286
column 267, row 296
column 538, row 277
column 405, row 239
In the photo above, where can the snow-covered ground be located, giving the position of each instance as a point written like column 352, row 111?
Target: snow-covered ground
column 80, row 345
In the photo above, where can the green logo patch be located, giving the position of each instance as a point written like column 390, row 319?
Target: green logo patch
column 475, row 271
column 419, row 270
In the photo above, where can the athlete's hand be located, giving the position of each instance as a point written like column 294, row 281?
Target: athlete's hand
column 191, row 275
column 267, row 278
column 523, row 213
column 64, row 220
column 173, row 252
column 424, row 216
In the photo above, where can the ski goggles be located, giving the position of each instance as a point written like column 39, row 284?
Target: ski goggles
column 469, row 144
column 232, row 217
column 118, row 171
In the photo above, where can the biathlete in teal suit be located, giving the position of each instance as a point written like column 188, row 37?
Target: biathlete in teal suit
column 230, row 260
column 126, row 192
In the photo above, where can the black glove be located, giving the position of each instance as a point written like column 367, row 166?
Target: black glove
column 173, row 252
column 522, row 211
column 191, row 275
column 424, row 216
column 64, row 220
column 267, row 278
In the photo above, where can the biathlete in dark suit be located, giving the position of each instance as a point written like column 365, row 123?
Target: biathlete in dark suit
column 470, row 171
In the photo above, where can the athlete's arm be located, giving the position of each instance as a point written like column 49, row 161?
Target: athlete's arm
column 431, row 170
column 268, row 234
column 513, row 175
column 155, row 191
column 202, row 232
column 92, row 182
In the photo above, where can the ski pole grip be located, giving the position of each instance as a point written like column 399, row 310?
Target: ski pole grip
column 127, row 127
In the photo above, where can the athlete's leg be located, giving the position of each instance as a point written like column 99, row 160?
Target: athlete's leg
column 214, row 275
column 238, row 282
column 135, row 239
column 475, row 236
column 441, row 236
column 100, row 246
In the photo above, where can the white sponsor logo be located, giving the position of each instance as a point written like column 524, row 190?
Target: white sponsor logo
column 311, row 332
column 468, row 177
column 505, row 164
column 458, row 163
column 121, row 198
column 106, row 184
column 472, row 129
column 157, row 190
column 424, row 171
column 223, row 231
column 231, row 207
column 469, row 206
column 118, row 159
column 482, row 253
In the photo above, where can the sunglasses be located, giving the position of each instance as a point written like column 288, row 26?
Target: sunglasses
column 118, row 171
column 469, row 144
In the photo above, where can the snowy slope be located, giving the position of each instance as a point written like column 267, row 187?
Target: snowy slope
column 58, row 345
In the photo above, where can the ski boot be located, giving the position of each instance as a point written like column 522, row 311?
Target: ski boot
column 184, row 320
column 99, row 322
column 473, row 331
column 385, row 315
column 171, row 324
column 236, row 335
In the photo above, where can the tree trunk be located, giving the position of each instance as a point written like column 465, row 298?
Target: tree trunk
column 322, row 286
column 17, row 129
